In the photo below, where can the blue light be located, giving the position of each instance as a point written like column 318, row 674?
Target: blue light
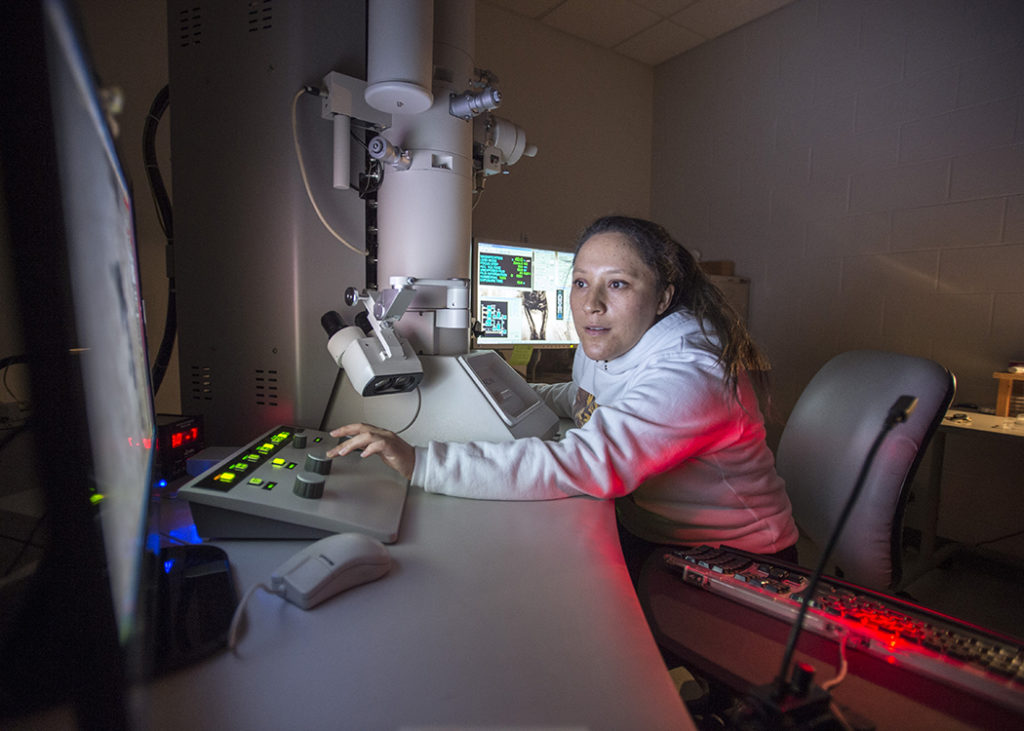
column 185, row 534
column 168, row 565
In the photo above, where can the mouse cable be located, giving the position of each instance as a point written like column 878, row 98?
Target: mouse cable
column 236, row 620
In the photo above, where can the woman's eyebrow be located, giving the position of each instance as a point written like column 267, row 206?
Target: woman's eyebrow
column 612, row 272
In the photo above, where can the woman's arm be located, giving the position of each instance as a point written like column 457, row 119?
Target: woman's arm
column 672, row 415
column 558, row 397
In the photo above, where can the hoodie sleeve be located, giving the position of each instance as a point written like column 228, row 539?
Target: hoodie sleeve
column 676, row 411
column 558, row 397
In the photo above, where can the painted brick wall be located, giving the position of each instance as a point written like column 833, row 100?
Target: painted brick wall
column 863, row 163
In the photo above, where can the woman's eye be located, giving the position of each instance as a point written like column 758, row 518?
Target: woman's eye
column 579, row 283
column 616, row 284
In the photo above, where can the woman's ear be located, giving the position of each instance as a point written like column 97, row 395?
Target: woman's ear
column 666, row 298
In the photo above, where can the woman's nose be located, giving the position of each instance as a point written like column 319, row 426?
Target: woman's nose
column 593, row 302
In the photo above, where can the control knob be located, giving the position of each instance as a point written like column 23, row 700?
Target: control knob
column 309, row 485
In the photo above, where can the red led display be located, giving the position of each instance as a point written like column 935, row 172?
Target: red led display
column 180, row 438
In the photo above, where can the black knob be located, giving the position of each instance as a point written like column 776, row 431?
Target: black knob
column 299, row 440
column 317, row 461
column 331, row 322
column 309, row 485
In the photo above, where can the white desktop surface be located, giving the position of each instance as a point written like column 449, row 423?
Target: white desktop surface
column 511, row 615
column 984, row 423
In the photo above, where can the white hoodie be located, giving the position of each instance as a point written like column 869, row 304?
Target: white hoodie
column 660, row 427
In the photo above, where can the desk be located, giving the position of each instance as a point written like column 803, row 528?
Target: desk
column 495, row 615
column 993, row 429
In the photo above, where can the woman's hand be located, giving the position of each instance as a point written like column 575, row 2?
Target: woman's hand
column 398, row 454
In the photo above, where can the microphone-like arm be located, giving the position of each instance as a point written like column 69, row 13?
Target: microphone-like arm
column 898, row 413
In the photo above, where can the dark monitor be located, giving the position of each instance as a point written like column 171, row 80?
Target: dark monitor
column 76, row 622
column 521, row 295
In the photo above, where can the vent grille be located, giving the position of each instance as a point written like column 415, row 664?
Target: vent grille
column 266, row 387
column 261, row 15
column 190, row 27
column 202, row 383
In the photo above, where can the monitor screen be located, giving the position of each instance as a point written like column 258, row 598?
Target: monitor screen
column 107, row 306
column 70, row 234
column 521, row 295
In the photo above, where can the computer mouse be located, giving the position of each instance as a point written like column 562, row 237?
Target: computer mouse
column 330, row 566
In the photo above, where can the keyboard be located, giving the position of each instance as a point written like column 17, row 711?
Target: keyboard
column 899, row 632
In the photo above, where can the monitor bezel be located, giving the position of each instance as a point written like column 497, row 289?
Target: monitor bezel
column 66, row 647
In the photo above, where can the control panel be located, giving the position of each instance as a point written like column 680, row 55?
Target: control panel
column 283, row 485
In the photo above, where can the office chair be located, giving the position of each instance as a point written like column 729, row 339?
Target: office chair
column 826, row 441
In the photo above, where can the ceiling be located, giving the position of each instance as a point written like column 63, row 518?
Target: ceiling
column 649, row 31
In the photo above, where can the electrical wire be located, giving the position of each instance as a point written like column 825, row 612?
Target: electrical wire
column 839, row 716
column 305, row 177
column 164, row 213
column 990, row 541
column 5, row 365
column 28, row 542
column 236, row 620
column 479, row 193
column 415, row 416
column 843, row 666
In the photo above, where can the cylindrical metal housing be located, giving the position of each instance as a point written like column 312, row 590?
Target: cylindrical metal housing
column 399, row 55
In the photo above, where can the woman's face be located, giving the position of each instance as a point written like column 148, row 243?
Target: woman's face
column 614, row 297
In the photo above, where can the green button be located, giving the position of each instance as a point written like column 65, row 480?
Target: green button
column 256, row 481
column 270, row 486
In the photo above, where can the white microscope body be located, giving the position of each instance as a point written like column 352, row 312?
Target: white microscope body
column 441, row 142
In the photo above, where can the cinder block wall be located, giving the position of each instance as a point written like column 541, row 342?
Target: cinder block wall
column 863, row 163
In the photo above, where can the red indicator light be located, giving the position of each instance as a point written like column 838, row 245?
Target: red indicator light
column 177, row 439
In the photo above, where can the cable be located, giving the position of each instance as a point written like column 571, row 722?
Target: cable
column 164, row 213
column 6, row 363
column 330, row 399
column 25, row 545
column 843, row 665
column 236, row 620
column 419, row 404
column 12, row 435
column 989, row 541
column 840, row 716
column 305, row 177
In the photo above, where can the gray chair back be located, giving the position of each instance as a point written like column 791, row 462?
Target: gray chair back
column 826, row 441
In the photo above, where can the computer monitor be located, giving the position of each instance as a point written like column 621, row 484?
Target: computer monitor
column 72, row 633
column 521, row 295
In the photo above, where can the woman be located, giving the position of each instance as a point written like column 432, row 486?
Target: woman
column 667, row 417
